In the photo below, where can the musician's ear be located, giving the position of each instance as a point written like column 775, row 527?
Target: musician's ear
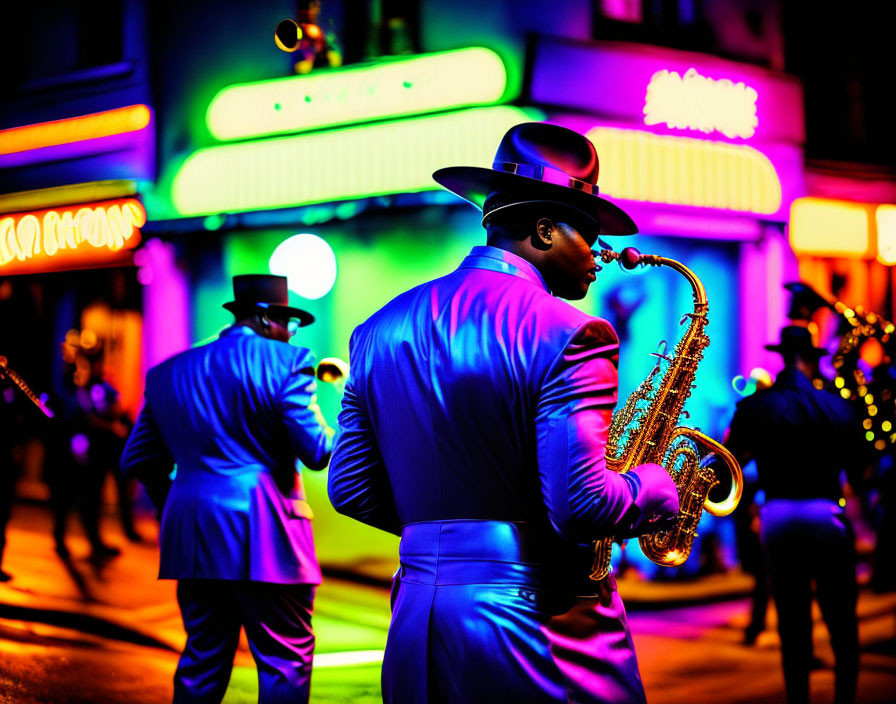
column 544, row 234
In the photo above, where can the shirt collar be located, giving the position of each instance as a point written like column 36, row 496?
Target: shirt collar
column 496, row 259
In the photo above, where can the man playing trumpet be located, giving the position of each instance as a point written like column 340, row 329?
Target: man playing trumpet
column 236, row 529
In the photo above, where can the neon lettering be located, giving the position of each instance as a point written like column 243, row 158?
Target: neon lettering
column 696, row 102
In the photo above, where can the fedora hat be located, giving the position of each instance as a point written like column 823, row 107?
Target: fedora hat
column 537, row 162
column 265, row 292
column 796, row 339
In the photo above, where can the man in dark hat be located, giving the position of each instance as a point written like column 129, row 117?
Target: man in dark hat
column 801, row 438
column 234, row 415
column 474, row 425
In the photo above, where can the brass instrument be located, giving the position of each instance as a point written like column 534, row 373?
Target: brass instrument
column 646, row 429
column 7, row 373
column 876, row 398
column 332, row 370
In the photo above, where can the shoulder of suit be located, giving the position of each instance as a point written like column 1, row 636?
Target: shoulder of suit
column 570, row 323
column 595, row 331
column 293, row 357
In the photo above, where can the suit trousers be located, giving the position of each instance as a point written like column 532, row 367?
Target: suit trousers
column 806, row 540
column 277, row 619
column 479, row 615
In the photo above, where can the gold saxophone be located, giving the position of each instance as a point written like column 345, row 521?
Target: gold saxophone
column 646, row 429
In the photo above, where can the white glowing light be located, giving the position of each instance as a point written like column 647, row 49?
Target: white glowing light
column 348, row 658
column 308, row 263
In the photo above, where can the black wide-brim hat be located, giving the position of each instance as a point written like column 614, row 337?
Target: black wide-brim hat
column 796, row 339
column 265, row 292
column 538, row 162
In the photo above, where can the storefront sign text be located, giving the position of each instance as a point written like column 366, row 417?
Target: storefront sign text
column 696, row 102
column 84, row 234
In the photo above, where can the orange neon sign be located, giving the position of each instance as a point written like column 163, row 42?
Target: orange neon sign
column 71, row 237
column 74, row 129
column 696, row 102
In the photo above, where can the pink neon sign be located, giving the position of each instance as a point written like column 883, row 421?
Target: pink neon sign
column 696, row 102
column 609, row 81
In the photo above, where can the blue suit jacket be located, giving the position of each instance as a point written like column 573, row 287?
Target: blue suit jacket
column 234, row 415
column 482, row 396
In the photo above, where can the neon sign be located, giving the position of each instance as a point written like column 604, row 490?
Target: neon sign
column 69, row 237
column 74, row 129
column 695, row 102
column 831, row 228
column 387, row 157
column 398, row 87
column 639, row 165
column 885, row 219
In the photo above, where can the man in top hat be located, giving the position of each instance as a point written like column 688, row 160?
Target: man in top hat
column 234, row 415
column 801, row 437
column 474, row 424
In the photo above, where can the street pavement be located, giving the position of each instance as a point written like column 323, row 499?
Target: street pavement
column 75, row 632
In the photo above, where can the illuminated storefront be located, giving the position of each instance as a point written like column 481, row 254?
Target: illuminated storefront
column 67, row 247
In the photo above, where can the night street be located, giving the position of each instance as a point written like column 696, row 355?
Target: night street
column 114, row 639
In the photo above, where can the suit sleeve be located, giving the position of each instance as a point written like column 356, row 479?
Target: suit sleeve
column 584, row 498
column 309, row 434
column 358, row 485
column 146, row 458
column 145, row 454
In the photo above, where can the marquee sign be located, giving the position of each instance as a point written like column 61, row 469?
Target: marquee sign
column 70, row 237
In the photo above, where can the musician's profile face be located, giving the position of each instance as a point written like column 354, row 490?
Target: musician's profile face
column 569, row 266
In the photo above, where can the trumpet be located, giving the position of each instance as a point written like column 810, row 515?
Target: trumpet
column 333, row 371
column 7, row 373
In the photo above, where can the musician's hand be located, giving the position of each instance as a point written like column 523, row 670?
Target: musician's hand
column 656, row 501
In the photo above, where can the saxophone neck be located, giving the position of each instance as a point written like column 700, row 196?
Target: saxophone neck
column 630, row 258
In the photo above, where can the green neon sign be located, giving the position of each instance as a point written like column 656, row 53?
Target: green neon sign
column 354, row 162
column 393, row 88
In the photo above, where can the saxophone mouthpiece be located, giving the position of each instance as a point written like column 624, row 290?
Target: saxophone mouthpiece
column 629, row 258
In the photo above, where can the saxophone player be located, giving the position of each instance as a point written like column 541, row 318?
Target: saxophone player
column 474, row 425
column 801, row 437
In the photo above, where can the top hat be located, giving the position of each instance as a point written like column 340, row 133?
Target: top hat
column 796, row 339
column 265, row 292
column 804, row 301
column 538, row 162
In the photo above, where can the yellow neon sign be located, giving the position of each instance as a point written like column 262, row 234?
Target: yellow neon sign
column 71, row 237
column 74, row 129
column 685, row 171
column 885, row 217
column 835, row 228
column 695, row 102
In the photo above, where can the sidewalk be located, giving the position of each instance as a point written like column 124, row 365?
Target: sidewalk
column 122, row 599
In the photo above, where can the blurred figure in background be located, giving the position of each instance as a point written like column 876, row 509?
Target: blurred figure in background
column 801, row 438
column 88, row 432
column 234, row 415
column 8, row 467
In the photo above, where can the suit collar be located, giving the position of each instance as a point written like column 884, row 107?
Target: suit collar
column 496, row 259
column 237, row 330
column 793, row 378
